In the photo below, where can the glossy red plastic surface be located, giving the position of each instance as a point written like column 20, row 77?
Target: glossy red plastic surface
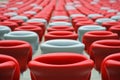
column 115, row 29
column 33, row 28
column 60, row 35
column 109, row 24
column 11, row 25
column 101, row 49
column 61, row 66
column 9, row 68
column 19, row 22
column 110, row 69
column 20, row 50
column 41, row 25
column 92, row 36
column 82, row 23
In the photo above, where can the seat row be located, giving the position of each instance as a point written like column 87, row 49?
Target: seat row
column 63, row 65
column 65, row 30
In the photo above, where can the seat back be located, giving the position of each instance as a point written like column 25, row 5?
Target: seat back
column 61, row 66
column 9, row 68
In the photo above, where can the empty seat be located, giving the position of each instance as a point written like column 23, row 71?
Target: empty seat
column 9, row 68
column 60, row 35
column 92, row 36
column 60, row 23
column 20, row 50
column 101, row 49
column 72, row 16
column 11, row 25
column 28, row 36
column 101, row 20
column 81, row 22
column 4, row 30
column 40, row 24
column 18, row 17
column 60, row 28
column 110, row 69
column 116, row 17
column 33, row 28
column 41, row 20
column 115, row 29
column 86, row 28
column 19, row 22
column 62, row 45
column 107, row 25
column 61, row 66
column 10, row 14
column 94, row 15
column 60, row 18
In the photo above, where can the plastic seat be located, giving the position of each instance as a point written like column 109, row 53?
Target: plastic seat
column 60, row 35
column 101, row 20
column 82, row 22
column 94, row 15
column 19, row 22
column 9, row 68
column 115, row 29
column 86, row 28
column 76, row 15
column 60, row 18
column 76, row 20
column 97, row 17
column 101, row 49
column 112, row 11
column 13, row 8
column 40, row 24
column 27, row 15
column 60, row 28
column 3, row 18
column 110, row 69
column 107, row 25
column 59, row 13
column 62, row 45
column 92, row 36
column 4, row 30
column 28, row 36
column 110, row 14
column 24, row 18
column 30, row 12
column 61, row 66
column 105, row 8
column 11, row 25
column 33, row 28
column 20, row 50
column 116, row 17
column 38, row 20
column 11, row 14
column 59, row 24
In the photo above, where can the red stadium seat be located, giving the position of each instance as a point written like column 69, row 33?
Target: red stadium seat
column 11, row 25
column 9, row 68
column 92, row 36
column 61, row 35
column 115, row 29
column 60, row 28
column 61, row 66
column 101, row 49
column 41, row 25
column 20, row 50
column 33, row 28
column 110, row 68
